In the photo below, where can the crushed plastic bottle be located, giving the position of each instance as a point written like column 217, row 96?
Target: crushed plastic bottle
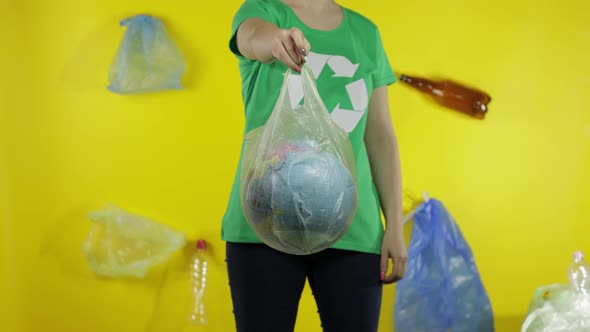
column 579, row 274
column 181, row 301
column 199, row 284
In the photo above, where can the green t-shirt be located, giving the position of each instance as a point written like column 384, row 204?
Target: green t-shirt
column 348, row 63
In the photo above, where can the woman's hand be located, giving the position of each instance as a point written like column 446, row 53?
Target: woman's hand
column 393, row 247
column 260, row 40
column 289, row 47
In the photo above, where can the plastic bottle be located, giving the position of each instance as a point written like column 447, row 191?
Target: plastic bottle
column 579, row 274
column 198, row 270
column 452, row 95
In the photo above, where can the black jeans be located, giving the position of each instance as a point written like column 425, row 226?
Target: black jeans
column 266, row 286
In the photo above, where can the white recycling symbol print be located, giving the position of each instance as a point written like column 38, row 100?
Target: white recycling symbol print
column 342, row 67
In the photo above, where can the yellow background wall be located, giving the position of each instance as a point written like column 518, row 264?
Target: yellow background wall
column 518, row 183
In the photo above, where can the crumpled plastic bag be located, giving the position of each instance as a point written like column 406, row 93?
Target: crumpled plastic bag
column 298, row 178
column 442, row 290
column 121, row 244
column 557, row 308
column 148, row 59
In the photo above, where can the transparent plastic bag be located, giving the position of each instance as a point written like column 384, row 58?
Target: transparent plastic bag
column 148, row 59
column 556, row 308
column 298, row 180
column 562, row 308
column 121, row 244
column 442, row 290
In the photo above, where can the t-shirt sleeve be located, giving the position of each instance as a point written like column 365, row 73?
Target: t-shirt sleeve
column 383, row 75
column 249, row 9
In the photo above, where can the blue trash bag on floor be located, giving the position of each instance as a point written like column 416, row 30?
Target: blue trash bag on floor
column 148, row 59
column 442, row 290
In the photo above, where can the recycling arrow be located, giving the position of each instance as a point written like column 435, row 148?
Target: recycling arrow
column 341, row 66
column 346, row 119
column 357, row 91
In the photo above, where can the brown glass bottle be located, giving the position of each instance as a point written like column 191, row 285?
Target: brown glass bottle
column 452, row 95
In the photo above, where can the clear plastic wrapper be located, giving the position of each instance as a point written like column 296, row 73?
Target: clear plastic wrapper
column 121, row 244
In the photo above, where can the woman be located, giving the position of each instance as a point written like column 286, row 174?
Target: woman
column 352, row 74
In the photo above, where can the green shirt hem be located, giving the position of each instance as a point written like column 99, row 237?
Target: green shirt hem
column 342, row 245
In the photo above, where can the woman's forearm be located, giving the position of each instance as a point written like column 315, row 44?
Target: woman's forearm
column 382, row 149
column 385, row 167
column 256, row 39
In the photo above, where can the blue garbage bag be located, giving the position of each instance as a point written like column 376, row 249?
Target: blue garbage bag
column 442, row 290
column 148, row 59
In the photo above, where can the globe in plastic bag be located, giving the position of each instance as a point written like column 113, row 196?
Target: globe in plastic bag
column 298, row 180
column 121, row 244
column 148, row 59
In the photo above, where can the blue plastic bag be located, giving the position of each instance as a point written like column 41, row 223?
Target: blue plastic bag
column 442, row 290
column 148, row 59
